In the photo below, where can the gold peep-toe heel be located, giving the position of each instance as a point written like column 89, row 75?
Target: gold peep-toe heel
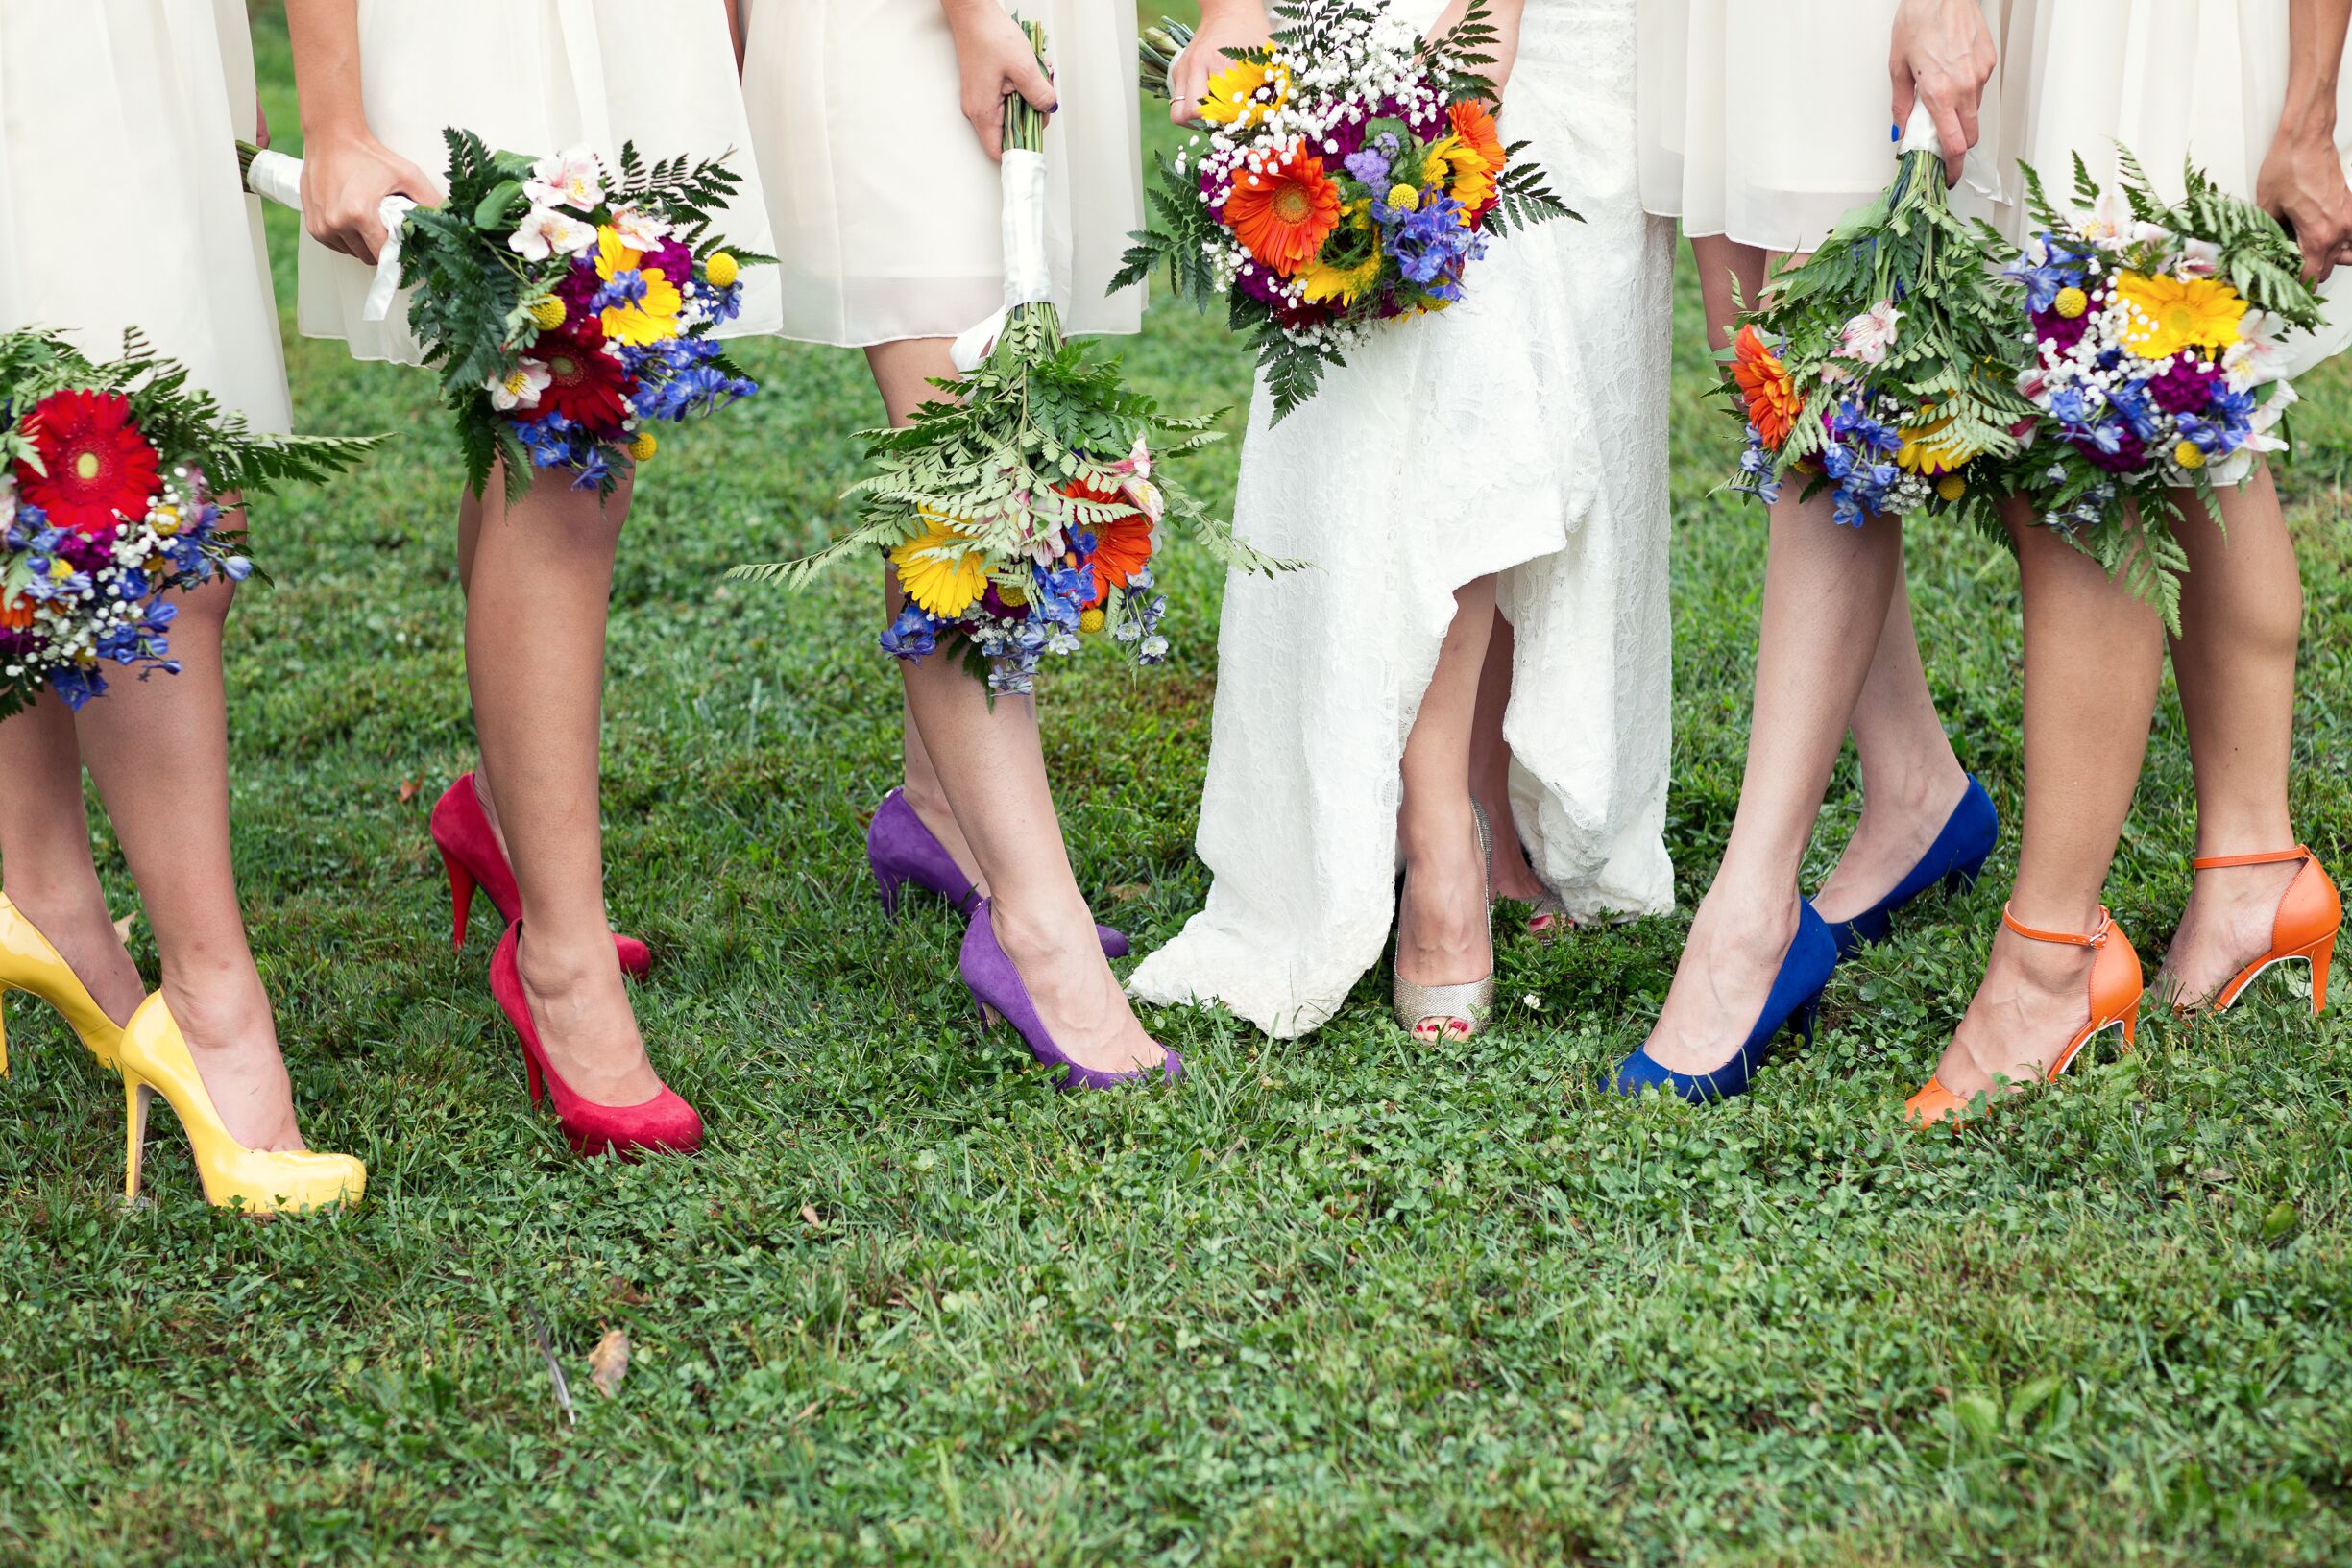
column 1468, row 1004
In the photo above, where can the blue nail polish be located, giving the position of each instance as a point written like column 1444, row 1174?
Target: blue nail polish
column 1894, row 132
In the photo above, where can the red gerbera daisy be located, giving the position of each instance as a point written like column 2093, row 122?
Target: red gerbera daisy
column 100, row 468
column 586, row 385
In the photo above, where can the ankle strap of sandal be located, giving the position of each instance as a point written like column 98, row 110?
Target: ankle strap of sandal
column 2219, row 862
column 2096, row 939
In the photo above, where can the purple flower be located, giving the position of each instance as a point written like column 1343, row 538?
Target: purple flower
column 2061, row 332
column 2187, row 387
column 1369, row 167
column 2112, row 446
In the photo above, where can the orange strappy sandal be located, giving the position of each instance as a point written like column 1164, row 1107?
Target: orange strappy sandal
column 2115, row 989
column 2310, row 915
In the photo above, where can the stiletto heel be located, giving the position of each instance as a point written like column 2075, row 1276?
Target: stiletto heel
column 664, row 1124
column 995, row 983
column 899, row 848
column 2114, row 990
column 1795, row 999
column 136, row 1097
column 461, row 899
column 30, row 964
column 2310, row 916
column 1959, row 851
column 156, row 1060
column 1469, row 1003
column 461, row 830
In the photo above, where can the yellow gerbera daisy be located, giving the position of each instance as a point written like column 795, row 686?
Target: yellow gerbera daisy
column 1461, row 171
column 1234, row 93
column 940, row 568
column 2171, row 314
column 1928, row 450
column 651, row 319
column 1324, row 282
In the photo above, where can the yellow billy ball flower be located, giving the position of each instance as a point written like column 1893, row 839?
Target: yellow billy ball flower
column 547, row 314
column 1405, row 197
column 165, row 521
column 2073, row 303
column 642, row 448
column 1014, row 599
column 1952, row 487
column 722, row 269
column 1090, row 621
column 2188, row 455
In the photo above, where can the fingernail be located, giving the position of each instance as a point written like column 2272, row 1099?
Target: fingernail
column 1056, row 108
column 1894, row 132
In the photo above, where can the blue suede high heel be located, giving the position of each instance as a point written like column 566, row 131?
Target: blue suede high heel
column 1795, row 999
column 1954, row 861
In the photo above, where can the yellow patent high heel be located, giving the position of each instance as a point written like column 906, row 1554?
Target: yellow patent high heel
column 155, row 1060
column 31, row 964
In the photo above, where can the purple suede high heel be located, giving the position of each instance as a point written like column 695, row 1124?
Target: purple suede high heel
column 996, row 985
column 901, row 849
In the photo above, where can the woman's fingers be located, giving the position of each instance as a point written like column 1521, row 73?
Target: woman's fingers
column 1028, row 77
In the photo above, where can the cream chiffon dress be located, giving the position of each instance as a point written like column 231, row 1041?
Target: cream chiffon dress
column 120, row 203
column 538, row 77
column 1767, row 122
column 1522, row 432
column 885, row 209
column 2173, row 81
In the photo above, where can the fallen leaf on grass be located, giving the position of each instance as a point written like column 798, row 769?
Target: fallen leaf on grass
column 609, row 1363
column 409, row 789
column 122, row 927
column 808, row 1212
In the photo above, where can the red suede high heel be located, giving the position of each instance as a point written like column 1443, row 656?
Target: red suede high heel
column 664, row 1124
column 470, row 853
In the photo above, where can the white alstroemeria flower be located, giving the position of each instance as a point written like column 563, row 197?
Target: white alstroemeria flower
column 2200, row 259
column 520, row 387
column 2254, row 359
column 8, row 500
column 639, row 229
column 1870, row 335
column 572, row 179
column 549, row 232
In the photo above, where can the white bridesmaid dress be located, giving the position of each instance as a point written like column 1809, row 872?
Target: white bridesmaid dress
column 886, row 211
column 1522, row 432
column 2175, row 81
column 1766, row 123
column 538, row 77
column 120, row 203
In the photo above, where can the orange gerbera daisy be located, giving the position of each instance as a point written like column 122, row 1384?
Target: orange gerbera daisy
column 1474, row 123
column 1772, row 400
column 17, row 614
column 1122, row 546
column 1284, row 212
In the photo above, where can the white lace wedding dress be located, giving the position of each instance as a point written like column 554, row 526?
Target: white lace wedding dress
column 1524, row 432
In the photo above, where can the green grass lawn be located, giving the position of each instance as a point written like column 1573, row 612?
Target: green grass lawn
column 1344, row 1299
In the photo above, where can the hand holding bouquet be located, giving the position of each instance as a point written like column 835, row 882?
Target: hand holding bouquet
column 1881, row 371
column 1350, row 173
column 110, row 479
column 2152, row 331
column 567, row 308
column 1023, row 511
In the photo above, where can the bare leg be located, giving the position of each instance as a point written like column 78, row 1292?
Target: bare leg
column 1490, row 773
column 1827, row 591
column 2093, row 659
column 1910, row 779
column 159, row 751
column 542, row 575
column 1442, row 931
column 1729, row 273
column 990, row 767
column 45, row 864
column 2242, row 618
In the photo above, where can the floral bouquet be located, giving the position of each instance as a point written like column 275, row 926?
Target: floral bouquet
column 1881, row 371
column 2153, row 331
column 1022, row 513
column 111, row 476
column 567, row 308
column 1349, row 174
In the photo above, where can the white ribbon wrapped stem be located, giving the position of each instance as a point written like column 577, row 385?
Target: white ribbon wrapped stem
column 1920, row 135
column 1028, row 273
column 277, row 177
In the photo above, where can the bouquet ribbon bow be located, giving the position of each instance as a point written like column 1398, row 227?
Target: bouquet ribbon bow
column 278, row 178
column 1029, row 276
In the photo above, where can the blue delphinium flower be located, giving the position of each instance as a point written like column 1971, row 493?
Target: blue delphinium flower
column 914, row 635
